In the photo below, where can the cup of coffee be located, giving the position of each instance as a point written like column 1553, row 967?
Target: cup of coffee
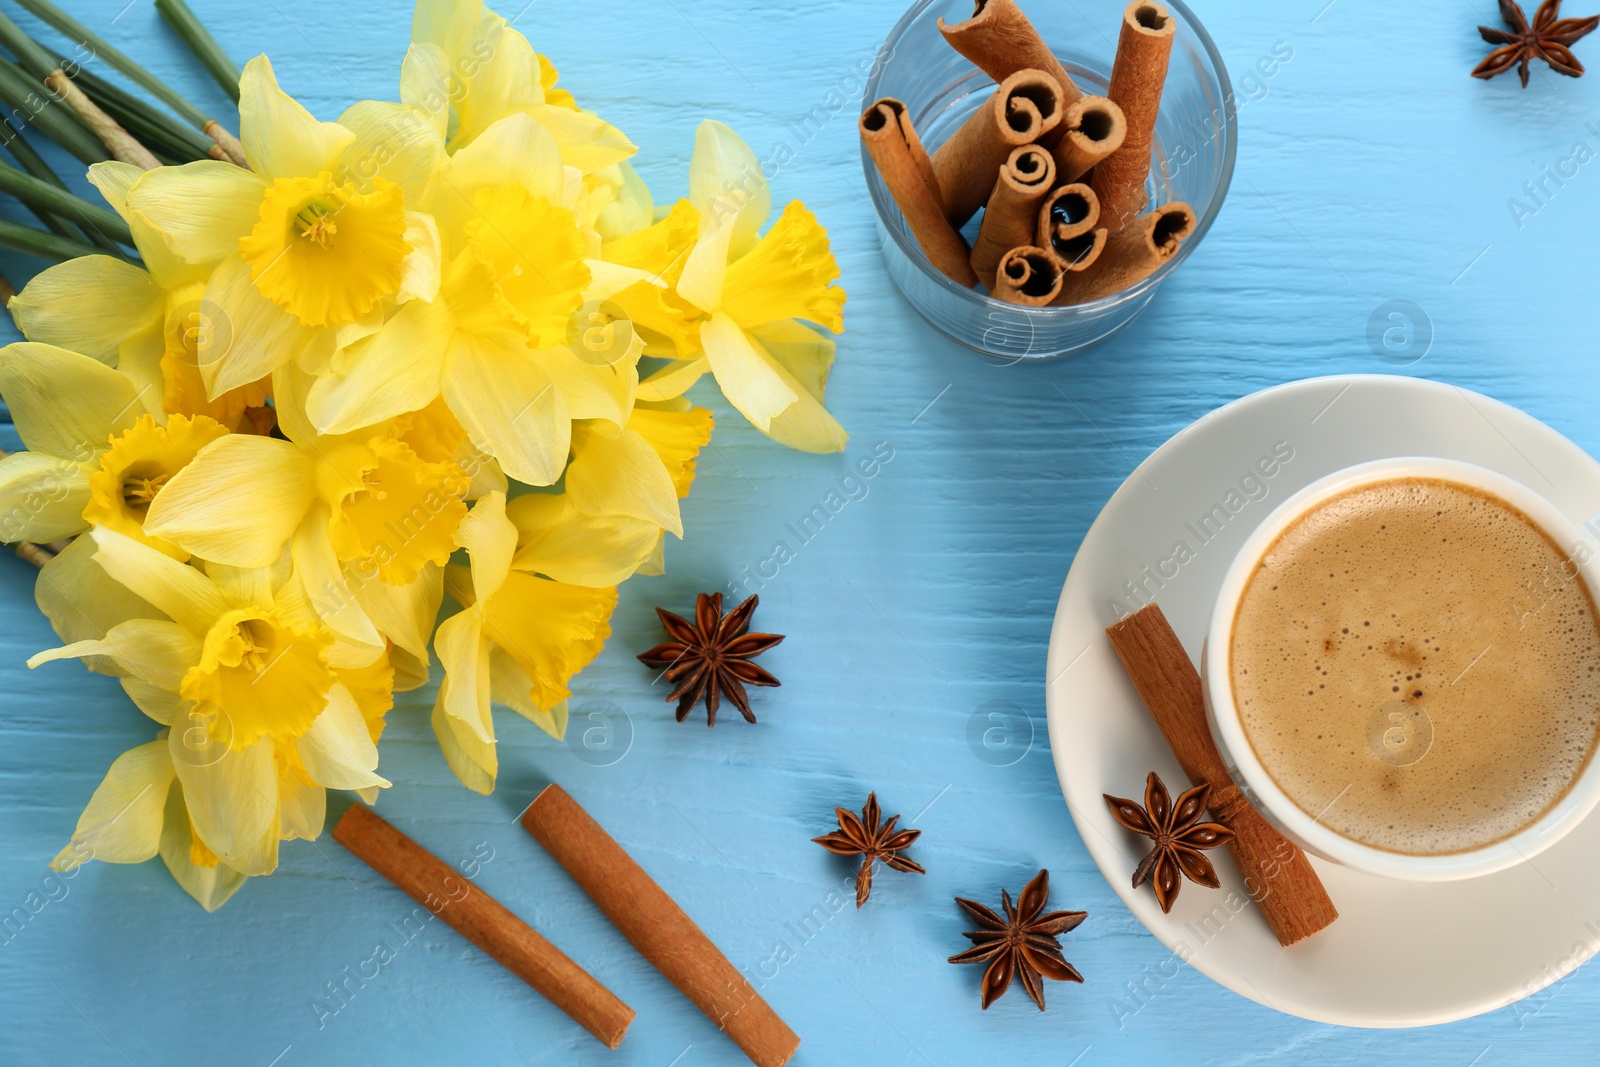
column 1403, row 670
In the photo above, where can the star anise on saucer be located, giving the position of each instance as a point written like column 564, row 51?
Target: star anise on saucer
column 1022, row 943
column 863, row 836
column 1179, row 836
column 710, row 658
column 1550, row 38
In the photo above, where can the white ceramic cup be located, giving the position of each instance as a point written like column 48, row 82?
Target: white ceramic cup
column 1247, row 770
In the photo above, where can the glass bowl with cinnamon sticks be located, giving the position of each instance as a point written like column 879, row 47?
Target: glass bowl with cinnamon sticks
column 1038, row 173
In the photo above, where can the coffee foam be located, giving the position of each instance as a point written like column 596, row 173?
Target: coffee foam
column 1417, row 665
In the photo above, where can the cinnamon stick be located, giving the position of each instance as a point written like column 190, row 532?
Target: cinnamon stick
column 485, row 922
column 892, row 142
column 1000, row 41
column 1025, row 107
column 1133, row 253
column 657, row 927
column 1075, row 254
column 1067, row 212
column 1029, row 276
column 1091, row 129
column 1011, row 216
column 1276, row 874
column 1137, row 77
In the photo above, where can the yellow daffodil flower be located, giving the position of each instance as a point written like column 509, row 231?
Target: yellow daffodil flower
column 517, row 641
column 137, row 465
column 262, row 717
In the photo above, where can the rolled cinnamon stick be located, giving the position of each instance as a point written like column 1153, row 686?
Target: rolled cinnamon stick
column 1137, row 77
column 1091, row 129
column 892, row 142
column 1025, row 107
column 1277, row 874
column 1132, row 253
column 1010, row 218
column 1075, row 254
column 1000, row 41
column 1067, row 212
column 1028, row 276
column 485, row 922
column 657, row 927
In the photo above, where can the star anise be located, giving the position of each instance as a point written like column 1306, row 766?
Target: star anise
column 1023, row 943
column 710, row 657
column 1550, row 38
column 863, row 836
column 1178, row 833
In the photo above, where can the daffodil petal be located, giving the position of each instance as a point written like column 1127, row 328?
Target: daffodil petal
column 473, row 761
column 509, row 407
column 122, row 822
column 232, row 802
column 154, row 650
column 603, row 389
column 41, row 497
column 302, row 808
column 237, row 502
column 514, row 149
column 803, row 358
column 607, row 279
column 677, row 432
column 425, row 81
column 490, row 540
column 89, row 305
column 83, row 602
column 621, row 475
column 510, row 684
column 252, row 336
column 725, row 169
column 465, row 657
column 674, row 379
column 576, row 548
column 281, row 139
column 552, row 629
column 200, row 210
column 500, row 78
column 181, row 591
column 444, row 24
column 706, row 267
column 62, row 403
column 404, row 613
column 114, row 179
column 209, row 886
column 394, row 371
column 422, row 273
column 161, row 705
column 338, row 751
column 631, row 211
column 748, row 377
column 319, row 571
column 395, row 142
column 587, row 142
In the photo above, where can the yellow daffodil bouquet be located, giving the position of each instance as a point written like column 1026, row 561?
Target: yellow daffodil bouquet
column 374, row 366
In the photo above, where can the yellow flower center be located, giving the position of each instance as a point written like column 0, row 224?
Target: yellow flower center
column 135, row 467
column 533, row 252
column 393, row 512
column 265, row 676
column 324, row 252
column 787, row 275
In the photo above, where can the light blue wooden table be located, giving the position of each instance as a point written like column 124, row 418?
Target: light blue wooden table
column 1371, row 169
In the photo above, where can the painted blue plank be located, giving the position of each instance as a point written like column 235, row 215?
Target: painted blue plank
column 1371, row 169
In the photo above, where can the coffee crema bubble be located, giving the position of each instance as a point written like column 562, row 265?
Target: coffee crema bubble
column 1417, row 666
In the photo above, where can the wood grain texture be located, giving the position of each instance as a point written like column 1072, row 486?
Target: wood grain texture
column 1366, row 175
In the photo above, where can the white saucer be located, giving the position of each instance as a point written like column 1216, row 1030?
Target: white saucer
column 1399, row 954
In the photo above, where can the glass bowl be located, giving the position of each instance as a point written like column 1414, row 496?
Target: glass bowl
column 1191, row 160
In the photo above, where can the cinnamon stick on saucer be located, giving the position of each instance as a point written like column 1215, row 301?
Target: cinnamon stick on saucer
column 1091, row 130
column 1000, row 41
column 1011, row 216
column 1276, row 873
column 485, row 922
column 1028, row 276
column 892, row 142
column 1025, row 107
column 1133, row 253
column 657, row 927
column 1137, row 77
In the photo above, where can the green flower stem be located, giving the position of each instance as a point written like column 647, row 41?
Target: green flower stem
column 44, row 245
column 205, row 47
column 34, row 105
column 72, row 28
column 33, row 57
column 31, row 190
column 34, row 164
column 182, row 143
